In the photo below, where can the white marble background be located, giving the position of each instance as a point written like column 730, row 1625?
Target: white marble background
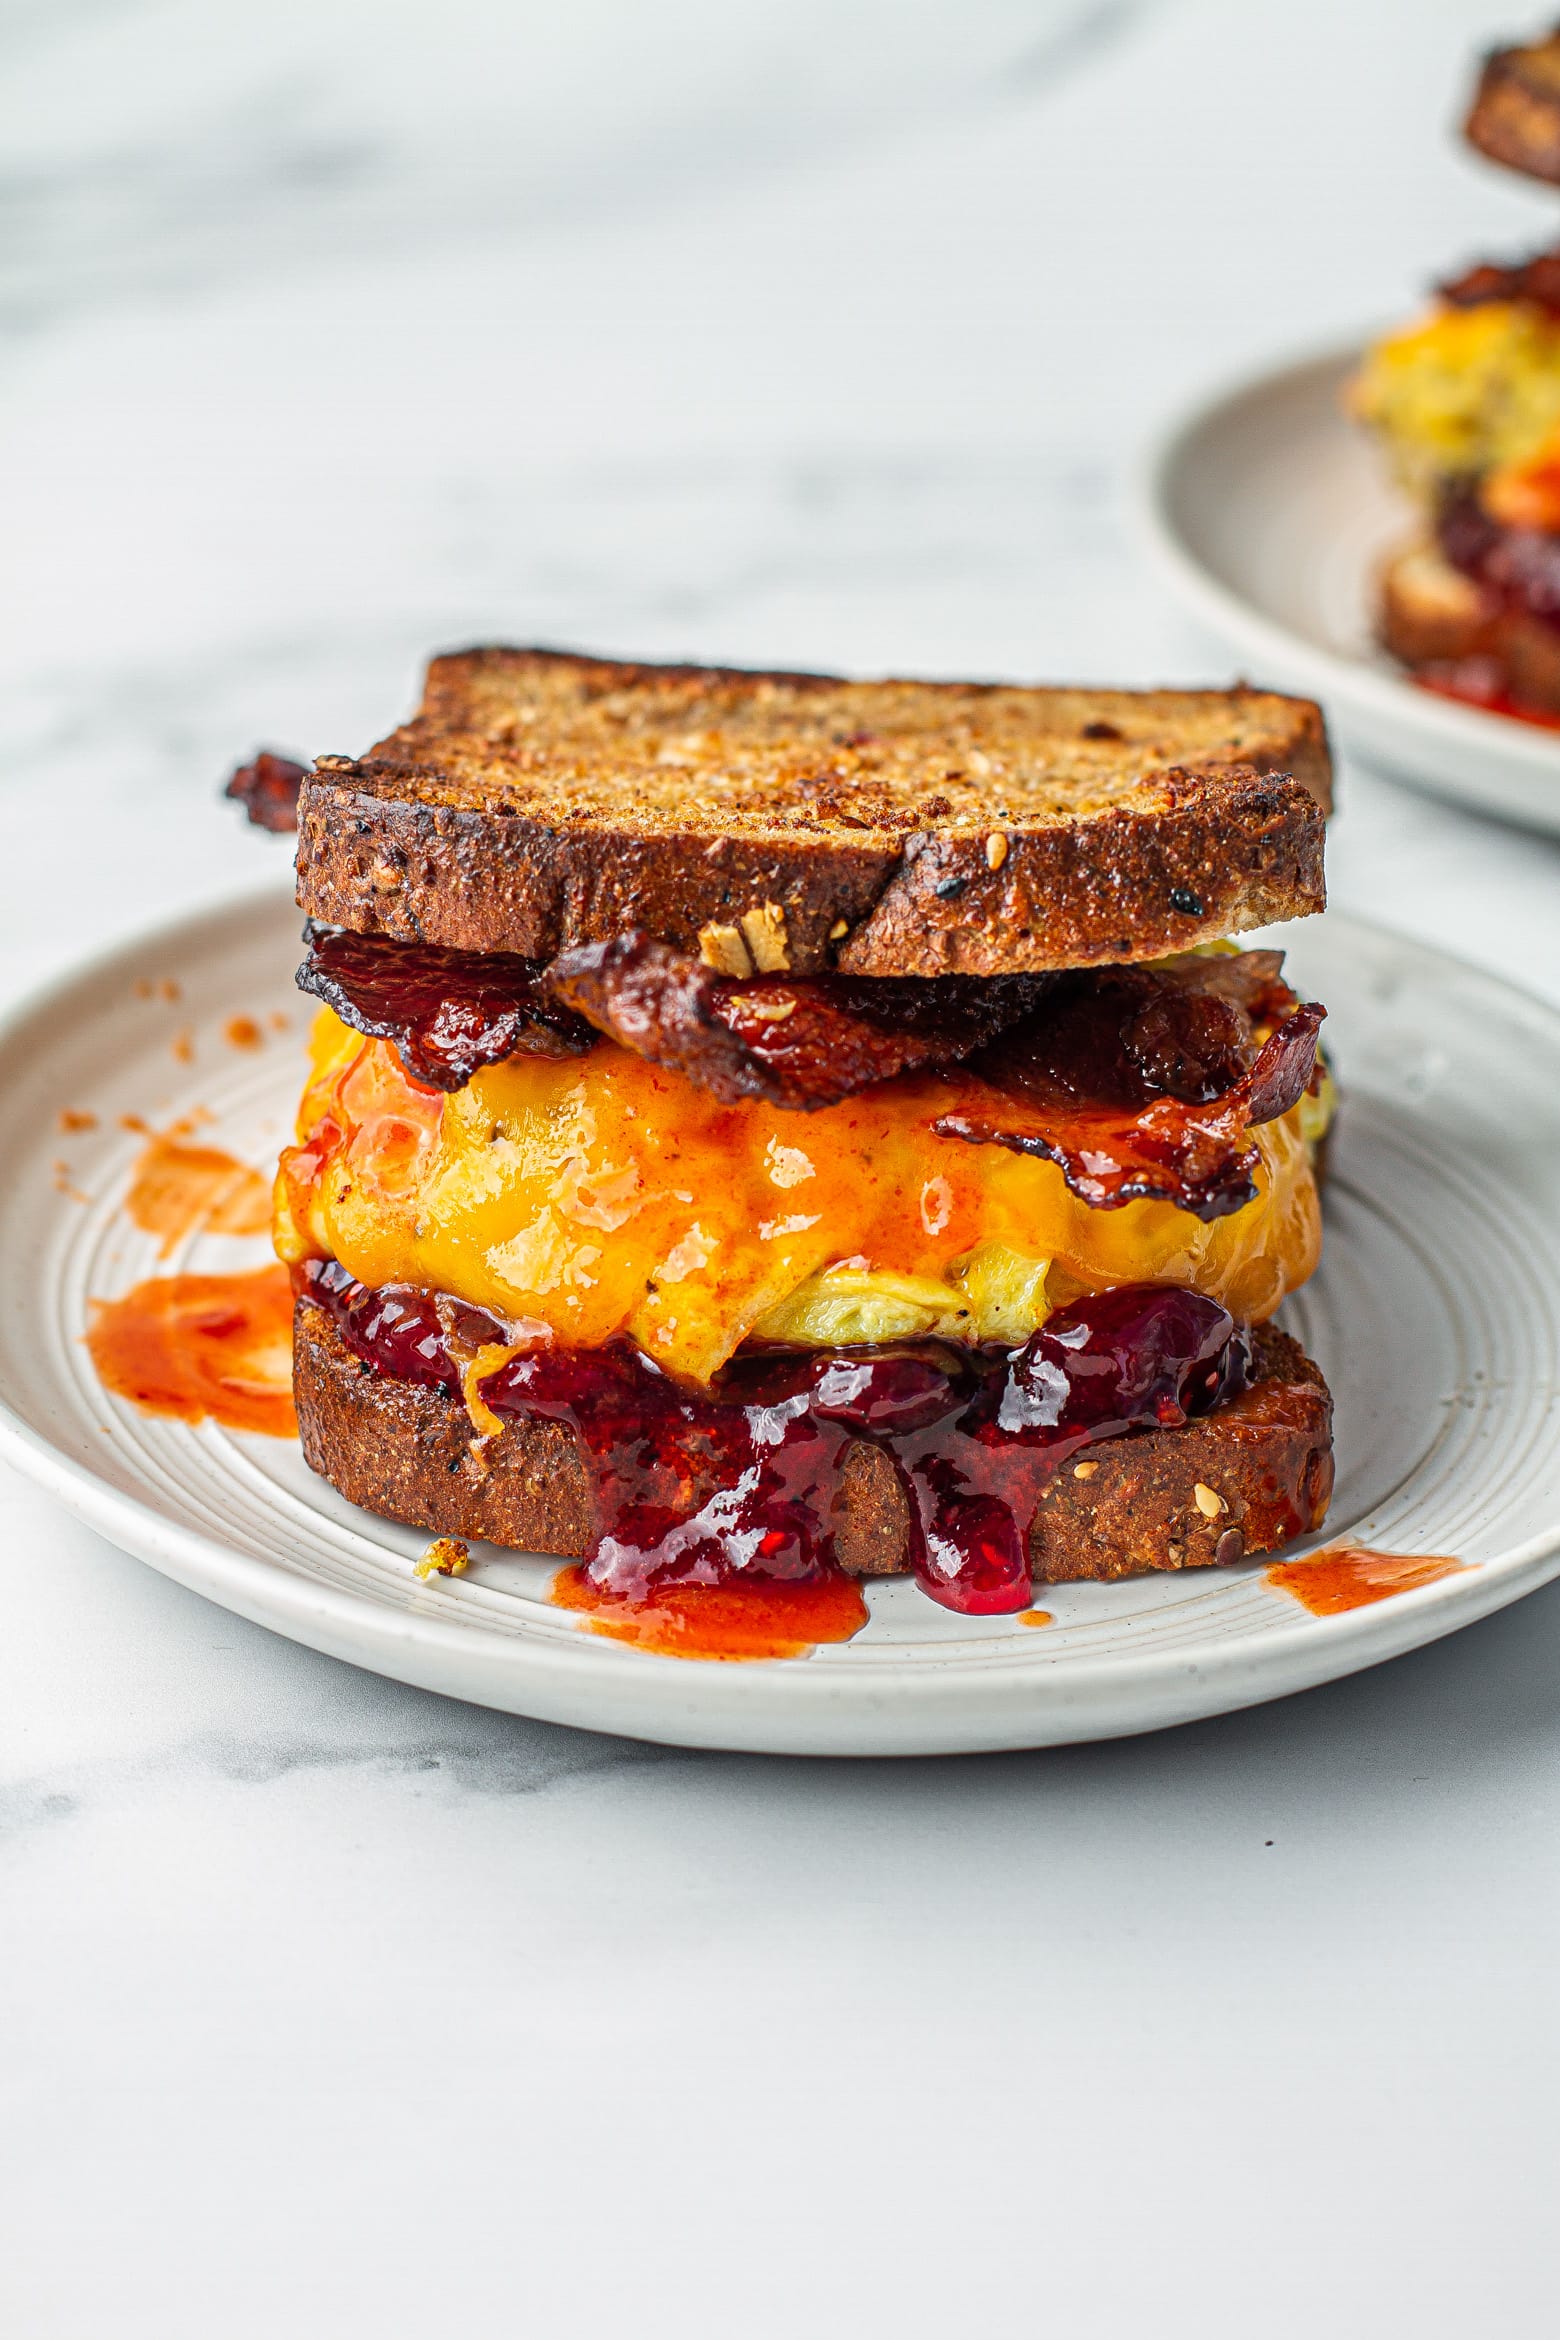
column 335, row 330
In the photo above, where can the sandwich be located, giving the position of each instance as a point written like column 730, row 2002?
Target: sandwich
column 760, row 1126
column 1466, row 402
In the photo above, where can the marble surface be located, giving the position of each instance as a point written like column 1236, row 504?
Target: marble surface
column 335, row 331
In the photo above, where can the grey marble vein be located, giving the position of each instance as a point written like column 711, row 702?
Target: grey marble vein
column 1085, row 38
column 465, row 1753
column 325, row 146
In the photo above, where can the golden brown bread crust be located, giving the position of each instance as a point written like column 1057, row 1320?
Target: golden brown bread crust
column 410, row 1454
column 1515, row 115
column 1429, row 613
column 1426, row 609
column 540, row 800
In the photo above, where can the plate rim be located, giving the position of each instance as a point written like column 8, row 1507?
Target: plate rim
column 812, row 1709
column 1330, row 674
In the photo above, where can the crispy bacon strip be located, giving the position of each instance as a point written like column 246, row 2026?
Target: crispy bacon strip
column 1536, row 280
column 448, row 1012
column 1139, row 1082
column 268, row 790
column 799, row 1042
column 1145, row 1083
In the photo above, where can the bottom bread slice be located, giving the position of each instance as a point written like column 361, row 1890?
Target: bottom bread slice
column 1429, row 614
column 1245, row 1479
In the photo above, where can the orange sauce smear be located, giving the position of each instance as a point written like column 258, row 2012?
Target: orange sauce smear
column 1035, row 1617
column 1347, row 1576
column 199, row 1346
column 1487, row 702
column 178, row 1188
column 736, row 1621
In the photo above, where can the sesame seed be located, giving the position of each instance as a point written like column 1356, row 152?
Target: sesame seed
column 996, row 849
column 1209, row 1504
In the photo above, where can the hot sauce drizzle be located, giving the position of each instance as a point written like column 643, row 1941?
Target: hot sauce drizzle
column 202, row 1346
column 1476, row 690
column 177, row 1188
column 1348, row 1576
column 752, row 1618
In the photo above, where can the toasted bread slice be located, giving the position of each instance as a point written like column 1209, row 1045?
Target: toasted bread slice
column 797, row 822
column 1515, row 114
column 1243, row 1480
column 1430, row 615
column 1426, row 609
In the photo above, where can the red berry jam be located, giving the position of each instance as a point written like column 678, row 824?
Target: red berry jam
column 737, row 1483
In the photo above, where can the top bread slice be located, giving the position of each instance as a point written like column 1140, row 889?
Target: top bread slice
column 1515, row 114
column 796, row 822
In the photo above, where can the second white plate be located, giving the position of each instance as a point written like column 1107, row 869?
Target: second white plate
column 1269, row 511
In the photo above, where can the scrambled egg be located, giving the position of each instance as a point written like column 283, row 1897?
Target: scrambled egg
column 1464, row 392
column 605, row 1196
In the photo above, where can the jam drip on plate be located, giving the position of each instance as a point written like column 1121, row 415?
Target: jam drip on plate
column 740, row 1482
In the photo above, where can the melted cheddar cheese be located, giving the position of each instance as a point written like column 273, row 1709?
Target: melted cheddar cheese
column 1464, row 391
column 605, row 1196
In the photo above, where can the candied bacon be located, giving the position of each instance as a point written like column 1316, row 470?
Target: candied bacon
column 448, row 1012
column 1285, row 1068
column 1192, row 1049
column 1536, row 281
column 1144, row 1083
column 268, row 790
column 796, row 1041
column 1251, row 980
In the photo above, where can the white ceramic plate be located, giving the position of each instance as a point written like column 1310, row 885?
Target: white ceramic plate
column 1435, row 1319
column 1269, row 511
